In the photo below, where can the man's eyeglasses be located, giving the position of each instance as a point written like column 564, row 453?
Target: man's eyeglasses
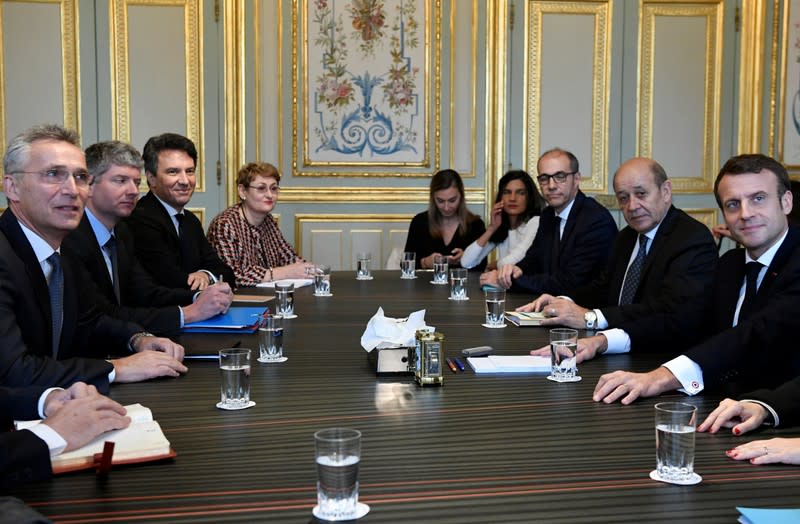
column 56, row 176
column 559, row 177
column 261, row 190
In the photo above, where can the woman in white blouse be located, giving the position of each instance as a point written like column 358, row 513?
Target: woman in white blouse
column 513, row 223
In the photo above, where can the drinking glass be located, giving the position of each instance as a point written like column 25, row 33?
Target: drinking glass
column 362, row 266
column 270, row 339
column 563, row 351
column 284, row 292
column 495, row 308
column 234, row 367
column 408, row 265
column 458, row 284
column 440, row 264
column 322, row 281
column 338, row 453
column 675, row 430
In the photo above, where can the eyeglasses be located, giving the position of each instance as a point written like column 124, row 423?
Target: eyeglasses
column 56, row 176
column 261, row 190
column 560, row 177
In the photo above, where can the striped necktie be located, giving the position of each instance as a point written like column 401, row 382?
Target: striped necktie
column 56, row 288
column 634, row 275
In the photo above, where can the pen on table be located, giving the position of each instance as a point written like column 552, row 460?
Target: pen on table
column 237, row 344
column 459, row 364
column 451, row 365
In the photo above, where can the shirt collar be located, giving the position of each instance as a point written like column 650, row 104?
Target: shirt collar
column 41, row 249
column 100, row 232
column 769, row 254
column 564, row 214
column 171, row 211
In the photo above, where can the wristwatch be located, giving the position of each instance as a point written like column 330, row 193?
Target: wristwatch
column 591, row 319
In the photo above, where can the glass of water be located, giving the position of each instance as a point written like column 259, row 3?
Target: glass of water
column 322, row 281
column 234, row 367
column 270, row 339
column 440, row 263
column 675, row 430
column 495, row 308
column 563, row 355
column 284, row 292
column 458, row 284
column 408, row 265
column 338, row 453
column 362, row 266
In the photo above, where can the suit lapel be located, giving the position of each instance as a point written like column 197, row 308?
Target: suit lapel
column 778, row 262
column 92, row 247
column 627, row 241
column 661, row 238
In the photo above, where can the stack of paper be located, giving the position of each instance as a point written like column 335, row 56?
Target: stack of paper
column 510, row 364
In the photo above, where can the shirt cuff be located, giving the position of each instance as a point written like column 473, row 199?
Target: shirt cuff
column 688, row 373
column 112, row 375
column 602, row 322
column 618, row 341
column 211, row 277
column 181, row 310
column 43, row 398
column 55, row 442
column 775, row 419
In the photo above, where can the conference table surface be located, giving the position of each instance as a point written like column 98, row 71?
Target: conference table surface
column 478, row 449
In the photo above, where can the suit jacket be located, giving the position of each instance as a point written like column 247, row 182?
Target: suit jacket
column 26, row 352
column 584, row 249
column 24, row 457
column 785, row 400
column 158, row 248
column 674, row 292
column 420, row 241
column 760, row 351
column 142, row 300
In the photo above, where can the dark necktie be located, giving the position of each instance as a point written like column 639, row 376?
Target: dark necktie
column 111, row 249
column 554, row 253
column 634, row 275
column 752, row 269
column 183, row 241
column 56, row 289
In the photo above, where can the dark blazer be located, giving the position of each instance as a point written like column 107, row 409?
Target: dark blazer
column 583, row 252
column 420, row 241
column 26, row 328
column 785, row 400
column 142, row 300
column 158, row 248
column 760, row 352
column 24, row 457
column 674, row 293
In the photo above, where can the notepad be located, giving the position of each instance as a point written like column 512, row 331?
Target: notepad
column 236, row 319
column 523, row 319
column 510, row 364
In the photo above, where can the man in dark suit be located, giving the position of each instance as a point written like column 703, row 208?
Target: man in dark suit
column 656, row 288
column 755, row 297
column 73, row 418
column 574, row 238
column 105, row 248
column 170, row 242
column 47, row 327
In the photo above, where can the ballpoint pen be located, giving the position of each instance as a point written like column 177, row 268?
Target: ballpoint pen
column 451, row 365
column 459, row 364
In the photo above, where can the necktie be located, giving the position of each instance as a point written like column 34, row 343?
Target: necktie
column 752, row 269
column 554, row 253
column 111, row 249
column 634, row 274
column 183, row 241
column 56, row 288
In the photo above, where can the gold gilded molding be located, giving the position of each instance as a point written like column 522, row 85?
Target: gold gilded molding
column 234, row 94
column 199, row 212
column 331, row 218
column 784, row 92
column 496, row 78
column 751, row 75
column 773, row 76
column 70, row 60
column 193, row 55
column 256, row 77
column 706, row 216
column 432, row 111
column 712, row 12
column 601, row 75
column 375, row 195
column 473, row 82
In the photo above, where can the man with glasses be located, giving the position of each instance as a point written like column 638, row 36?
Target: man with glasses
column 574, row 238
column 656, row 289
column 105, row 248
column 170, row 242
column 48, row 327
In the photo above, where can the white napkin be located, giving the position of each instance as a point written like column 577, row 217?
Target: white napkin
column 386, row 332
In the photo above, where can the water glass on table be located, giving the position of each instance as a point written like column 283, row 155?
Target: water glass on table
column 362, row 266
column 563, row 355
column 284, row 293
column 458, row 284
column 270, row 339
column 408, row 265
column 440, row 265
column 495, row 308
column 234, row 367
column 675, row 430
column 322, row 281
column 338, row 453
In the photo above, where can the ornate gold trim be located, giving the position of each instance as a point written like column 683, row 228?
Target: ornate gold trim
column 751, row 75
column 200, row 212
column 773, row 76
column 784, row 92
column 601, row 75
column 234, row 94
column 706, row 216
column 473, row 83
column 70, row 60
column 256, row 14
column 374, row 195
column 713, row 82
column 323, row 218
column 496, row 78
column 193, row 55
column 431, row 24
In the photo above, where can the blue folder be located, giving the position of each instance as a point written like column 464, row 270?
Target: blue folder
column 236, row 320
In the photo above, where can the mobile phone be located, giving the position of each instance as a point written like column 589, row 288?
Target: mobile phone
column 479, row 351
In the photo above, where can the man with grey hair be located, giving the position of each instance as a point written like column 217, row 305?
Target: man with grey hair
column 48, row 328
column 657, row 285
column 104, row 246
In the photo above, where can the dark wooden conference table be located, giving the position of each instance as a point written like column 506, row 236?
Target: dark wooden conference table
column 479, row 449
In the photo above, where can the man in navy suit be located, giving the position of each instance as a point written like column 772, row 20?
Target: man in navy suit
column 574, row 238
column 657, row 285
column 105, row 248
column 755, row 296
column 73, row 417
column 50, row 333
column 170, row 241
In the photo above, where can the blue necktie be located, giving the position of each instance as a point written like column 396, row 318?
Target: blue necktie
column 634, row 275
column 111, row 248
column 56, row 288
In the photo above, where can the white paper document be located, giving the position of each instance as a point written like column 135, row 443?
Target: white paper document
column 298, row 282
column 510, row 364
